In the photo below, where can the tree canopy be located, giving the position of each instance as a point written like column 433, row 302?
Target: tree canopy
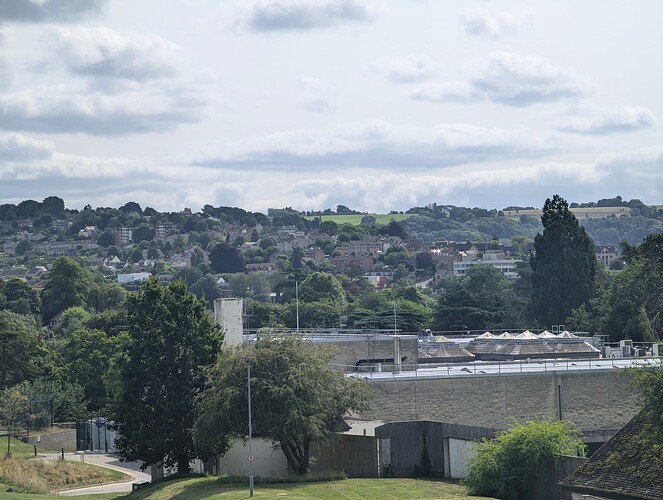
column 483, row 299
column 505, row 466
column 67, row 285
column 22, row 349
column 564, row 266
column 296, row 397
column 172, row 339
column 649, row 381
column 224, row 258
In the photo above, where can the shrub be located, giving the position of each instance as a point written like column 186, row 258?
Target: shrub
column 505, row 466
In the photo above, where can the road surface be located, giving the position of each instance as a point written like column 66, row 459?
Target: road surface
column 109, row 461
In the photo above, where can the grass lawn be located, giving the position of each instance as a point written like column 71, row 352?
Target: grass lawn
column 20, row 449
column 4, row 495
column 356, row 219
column 49, row 476
column 359, row 489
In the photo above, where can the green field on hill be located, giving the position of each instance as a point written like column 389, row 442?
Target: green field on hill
column 356, row 219
column 580, row 213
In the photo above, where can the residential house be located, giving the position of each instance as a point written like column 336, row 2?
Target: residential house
column 373, row 244
column 316, row 254
column 162, row 231
column 88, row 232
column 263, row 266
column 607, row 254
column 114, row 263
column 132, row 277
column 378, row 281
column 9, row 247
column 61, row 224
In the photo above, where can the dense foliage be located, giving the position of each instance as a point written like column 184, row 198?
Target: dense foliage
column 296, row 397
column 505, row 466
column 649, row 381
column 172, row 339
column 563, row 266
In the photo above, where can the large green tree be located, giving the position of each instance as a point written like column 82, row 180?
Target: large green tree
column 224, row 258
column 18, row 296
column 22, row 349
column 631, row 304
column 86, row 355
column 172, row 339
column 68, row 284
column 564, row 265
column 296, row 398
column 483, row 299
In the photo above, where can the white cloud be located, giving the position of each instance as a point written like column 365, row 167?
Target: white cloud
column 302, row 15
column 37, row 11
column 610, row 121
column 65, row 109
column 102, row 52
column 375, row 144
column 17, row 147
column 493, row 26
column 509, row 79
column 407, row 69
column 317, row 96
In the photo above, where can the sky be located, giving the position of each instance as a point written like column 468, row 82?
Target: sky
column 374, row 104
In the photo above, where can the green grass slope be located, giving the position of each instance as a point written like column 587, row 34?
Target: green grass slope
column 356, row 489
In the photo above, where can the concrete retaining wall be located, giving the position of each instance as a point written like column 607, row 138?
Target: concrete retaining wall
column 55, row 441
column 594, row 401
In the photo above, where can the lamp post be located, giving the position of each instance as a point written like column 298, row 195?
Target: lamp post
column 248, row 386
column 297, row 301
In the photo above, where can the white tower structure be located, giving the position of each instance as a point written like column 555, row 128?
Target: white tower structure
column 228, row 314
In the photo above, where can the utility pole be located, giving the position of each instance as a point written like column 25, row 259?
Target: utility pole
column 297, row 300
column 251, row 457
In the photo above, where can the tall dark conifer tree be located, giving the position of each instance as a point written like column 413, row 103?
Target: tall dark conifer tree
column 172, row 340
column 564, row 265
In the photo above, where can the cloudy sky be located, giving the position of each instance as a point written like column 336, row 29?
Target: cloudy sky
column 375, row 104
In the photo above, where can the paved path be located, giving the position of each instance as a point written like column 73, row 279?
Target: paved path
column 109, row 461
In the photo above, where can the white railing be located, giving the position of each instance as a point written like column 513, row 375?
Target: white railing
column 492, row 368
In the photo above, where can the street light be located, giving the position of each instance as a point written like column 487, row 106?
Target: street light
column 251, row 457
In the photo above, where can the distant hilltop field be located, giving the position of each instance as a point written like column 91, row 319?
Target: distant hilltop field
column 355, row 219
column 580, row 213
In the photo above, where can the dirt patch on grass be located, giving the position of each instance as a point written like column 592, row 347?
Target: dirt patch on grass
column 47, row 476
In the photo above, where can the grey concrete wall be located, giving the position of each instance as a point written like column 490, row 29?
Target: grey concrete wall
column 592, row 400
column 55, row 441
column 351, row 351
column 268, row 461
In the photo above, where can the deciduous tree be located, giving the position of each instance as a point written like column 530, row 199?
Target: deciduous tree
column 296, row 397
column 224, row 258
column 68, row 284
column 21, row 348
